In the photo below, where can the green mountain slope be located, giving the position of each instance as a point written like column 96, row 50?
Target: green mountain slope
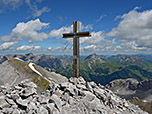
column 105, row 70
column 147, row 58
column 126, row 60
column 131, row 71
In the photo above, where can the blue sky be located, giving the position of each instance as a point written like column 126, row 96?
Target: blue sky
column 117, row 26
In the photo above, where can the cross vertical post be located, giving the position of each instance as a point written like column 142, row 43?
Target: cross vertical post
column 76, row 34
column 75, row 49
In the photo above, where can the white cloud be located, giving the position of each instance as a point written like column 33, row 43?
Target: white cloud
column 38, row 13
column 100, row 18
column 135, row 26
column 58, row 33
column 90, row 47
column 129, row 46
column 117, row 17
column 32, row 4
column 29, row 30
column 95, row 38
column 28, row 48
column 10, row 3
column 59, row 50
column 7, row 45
column 83, row 27
column 37, row 47
column 50, row 48
column 106, row 47
column 34, row 8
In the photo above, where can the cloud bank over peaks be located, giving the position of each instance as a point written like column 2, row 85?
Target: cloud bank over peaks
column 60, row 50
column 129, row 47
column 7, row 45
column 29, row 30
column 28, row 48
column 89, row 48
column 135, row 26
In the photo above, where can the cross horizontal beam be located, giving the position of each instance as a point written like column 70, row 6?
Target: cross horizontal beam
column 79, row 34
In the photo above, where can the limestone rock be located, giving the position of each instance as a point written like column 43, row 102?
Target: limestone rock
column 22, row 102
column 57, row 101
column 75, row 96
column 27, row 92
column 27, row 83
column 3, row 102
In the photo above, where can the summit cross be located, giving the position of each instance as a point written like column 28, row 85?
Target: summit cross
column 76, row 34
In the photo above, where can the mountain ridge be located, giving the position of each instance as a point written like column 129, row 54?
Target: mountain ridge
column 14, row 70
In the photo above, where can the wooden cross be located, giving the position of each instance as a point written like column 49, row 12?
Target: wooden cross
column 76, row 34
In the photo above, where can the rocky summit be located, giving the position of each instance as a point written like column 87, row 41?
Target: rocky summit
column 76, row 96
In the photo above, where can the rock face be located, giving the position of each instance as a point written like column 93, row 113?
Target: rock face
column 129, row 88
column 145, row 85
column 93, row 58
column 76, row 96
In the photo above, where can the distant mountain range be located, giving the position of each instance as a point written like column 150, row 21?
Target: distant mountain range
column 146, row 57
column 98, row 68
column 46, row 61
column 103, row 70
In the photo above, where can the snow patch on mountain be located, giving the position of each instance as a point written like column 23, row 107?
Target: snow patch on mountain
column 18, row 59
column 32, row 67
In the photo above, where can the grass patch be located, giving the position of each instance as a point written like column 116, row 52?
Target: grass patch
column 41, row 82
